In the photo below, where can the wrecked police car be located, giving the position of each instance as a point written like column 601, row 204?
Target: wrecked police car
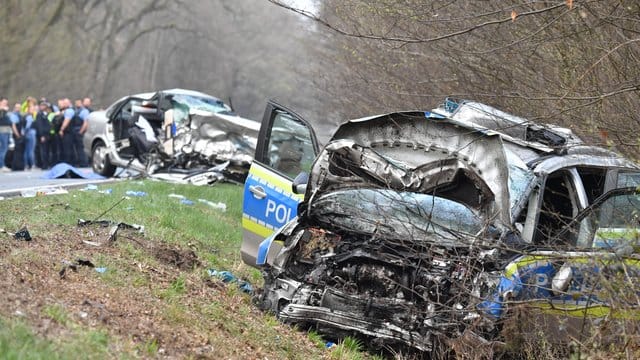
column 418, row 228
column 174, row 134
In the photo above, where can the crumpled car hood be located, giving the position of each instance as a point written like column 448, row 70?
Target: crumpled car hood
column 218, row 137
column 409, row 151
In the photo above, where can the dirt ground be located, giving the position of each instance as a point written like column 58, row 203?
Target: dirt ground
column 151, row 295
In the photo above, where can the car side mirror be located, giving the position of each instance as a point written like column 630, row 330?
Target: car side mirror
column 299, row 185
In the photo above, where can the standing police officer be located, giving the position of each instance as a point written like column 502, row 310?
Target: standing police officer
column 72, row 131
column 83, row 120
column 69, row 122
column 43, row 134
column 17, row 125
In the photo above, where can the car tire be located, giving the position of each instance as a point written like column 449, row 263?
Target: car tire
column 100, row 160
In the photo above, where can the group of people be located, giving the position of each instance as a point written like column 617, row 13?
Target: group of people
column 44, row 134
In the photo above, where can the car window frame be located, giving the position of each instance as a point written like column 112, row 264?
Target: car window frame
column 589, row 209
column 264, row 136
column 536, row 197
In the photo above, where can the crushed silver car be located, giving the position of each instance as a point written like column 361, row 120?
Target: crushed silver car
column 177, row 134
column 418, row 228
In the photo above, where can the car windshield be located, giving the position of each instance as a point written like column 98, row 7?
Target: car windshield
column 201, row 105
column 520, row 179
column 402, row 215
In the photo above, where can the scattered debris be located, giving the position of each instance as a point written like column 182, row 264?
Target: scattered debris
column 135, row 193
column 176, row 196
column 101, row 270
column 93, row 187
column 43, row 191
column 218, row 205
column 22, row 234
column 103, row 223
column 74, row 266
column 228, row 277
column 113, row 232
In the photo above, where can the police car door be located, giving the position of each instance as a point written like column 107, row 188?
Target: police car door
column 286, row 147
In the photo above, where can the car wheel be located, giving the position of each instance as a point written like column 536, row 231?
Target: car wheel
column 100, row 160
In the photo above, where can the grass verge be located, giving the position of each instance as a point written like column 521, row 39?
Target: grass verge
column 154, row 297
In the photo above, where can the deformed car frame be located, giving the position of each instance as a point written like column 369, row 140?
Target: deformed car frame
column 192, row 137
column 421, row 226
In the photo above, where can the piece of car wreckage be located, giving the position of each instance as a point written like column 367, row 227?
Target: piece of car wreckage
column 179, row 135
column 416, row 227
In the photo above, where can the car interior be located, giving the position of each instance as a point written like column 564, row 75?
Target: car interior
column 124, row 122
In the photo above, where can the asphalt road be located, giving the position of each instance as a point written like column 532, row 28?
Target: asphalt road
column 17, row 182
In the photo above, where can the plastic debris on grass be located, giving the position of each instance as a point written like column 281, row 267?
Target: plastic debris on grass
column 135, row 193
column 68, row 265
column 22, row 234
column 217, row 205
column 229, row 278
column 93, row 187
column 214, row 205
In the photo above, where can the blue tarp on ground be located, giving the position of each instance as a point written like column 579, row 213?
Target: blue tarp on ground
column 64, row 170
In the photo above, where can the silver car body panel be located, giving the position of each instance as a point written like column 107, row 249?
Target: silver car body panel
column 200, row 137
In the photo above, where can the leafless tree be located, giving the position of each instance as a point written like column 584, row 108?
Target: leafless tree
column 566, row 62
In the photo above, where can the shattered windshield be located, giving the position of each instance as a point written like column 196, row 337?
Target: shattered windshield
column 402, row 215
column 520, row 178
column 201, row 105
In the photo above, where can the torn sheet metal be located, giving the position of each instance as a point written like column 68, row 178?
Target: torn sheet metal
column 114, row 228
column 200, row 135
column 182, row 132
column 203, row 177
column 416, row 145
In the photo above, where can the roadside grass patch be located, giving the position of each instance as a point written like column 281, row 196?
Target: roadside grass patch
column 148, row 302
column 149, row 347
column 57, row 313
column 18, row 341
